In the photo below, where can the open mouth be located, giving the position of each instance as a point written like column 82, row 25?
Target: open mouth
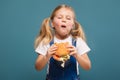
column 63, row 26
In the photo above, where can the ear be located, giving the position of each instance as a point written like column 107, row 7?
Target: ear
column 51, row 24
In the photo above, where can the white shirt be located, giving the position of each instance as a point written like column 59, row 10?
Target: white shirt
column 81, row 45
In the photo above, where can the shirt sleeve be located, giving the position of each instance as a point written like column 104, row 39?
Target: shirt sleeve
column 42, row 49
column 82, row 46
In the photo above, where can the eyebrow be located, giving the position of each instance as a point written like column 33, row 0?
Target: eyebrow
column 65, row 15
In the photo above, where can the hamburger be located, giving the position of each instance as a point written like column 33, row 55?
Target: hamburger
column 62, row 53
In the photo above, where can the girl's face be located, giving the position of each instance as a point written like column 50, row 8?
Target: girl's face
column 63, row 22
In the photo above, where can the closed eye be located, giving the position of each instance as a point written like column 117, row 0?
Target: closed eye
column 68, row 18
column 59, row 17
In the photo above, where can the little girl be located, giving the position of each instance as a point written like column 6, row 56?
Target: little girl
column 62, row 26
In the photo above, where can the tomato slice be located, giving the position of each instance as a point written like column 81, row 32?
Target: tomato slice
column 57, row 57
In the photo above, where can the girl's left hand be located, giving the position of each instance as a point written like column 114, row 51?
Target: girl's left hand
column 72, row 50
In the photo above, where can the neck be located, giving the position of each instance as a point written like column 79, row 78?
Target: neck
column 62, row 37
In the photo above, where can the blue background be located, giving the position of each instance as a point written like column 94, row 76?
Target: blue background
column 20, row 22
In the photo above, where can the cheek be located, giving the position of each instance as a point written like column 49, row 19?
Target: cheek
column 56, row 23
column 71, row 24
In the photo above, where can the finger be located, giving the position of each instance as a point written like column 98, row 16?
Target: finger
column 71, row 48
column 53, row 45
column 51, row 52
column 73, row 51
column 52, row 49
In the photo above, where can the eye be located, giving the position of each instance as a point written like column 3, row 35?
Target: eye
column 59, row 17
column 68, row 18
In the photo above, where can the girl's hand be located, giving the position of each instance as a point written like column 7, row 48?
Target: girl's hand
column 52, row 50
column 72, row 50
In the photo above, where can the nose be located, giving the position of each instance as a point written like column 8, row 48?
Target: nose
column 63, row 20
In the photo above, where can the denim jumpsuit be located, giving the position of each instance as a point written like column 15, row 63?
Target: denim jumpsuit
column 69, row 72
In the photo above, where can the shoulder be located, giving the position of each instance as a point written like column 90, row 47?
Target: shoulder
column 80, row 40
column 42, row 48
column 82, row 46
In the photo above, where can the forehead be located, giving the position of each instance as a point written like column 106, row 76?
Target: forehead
column 64, row 11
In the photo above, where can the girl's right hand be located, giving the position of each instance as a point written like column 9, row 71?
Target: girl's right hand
column 52, row 50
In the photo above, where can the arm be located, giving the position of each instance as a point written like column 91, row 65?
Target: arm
column 83, row 60
column 42, row 60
